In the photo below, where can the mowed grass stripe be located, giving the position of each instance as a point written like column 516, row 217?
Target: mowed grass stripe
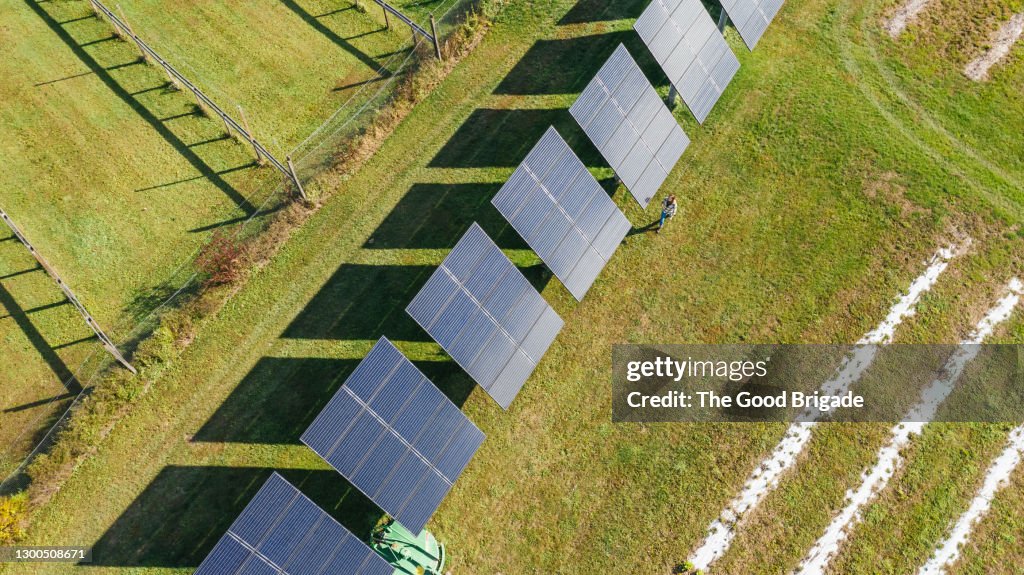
column 945, row 467
column 997, row 476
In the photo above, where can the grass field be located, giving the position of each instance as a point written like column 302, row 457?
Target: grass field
column 833, row 167
column 117, row 178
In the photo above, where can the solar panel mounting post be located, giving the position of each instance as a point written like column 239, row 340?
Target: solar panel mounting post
column 723, row 20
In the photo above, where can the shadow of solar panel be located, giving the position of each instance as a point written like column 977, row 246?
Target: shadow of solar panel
column 751, row 17
column 282, row 532
column 563, row 213
column 693, row 54
column 395, row 436
column 622, row 114
column 486, row 315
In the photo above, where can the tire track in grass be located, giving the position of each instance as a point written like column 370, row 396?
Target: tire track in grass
column 888, row 99
column 922, row 115
column 997, row 477
column 889, row 459
column 766, row 477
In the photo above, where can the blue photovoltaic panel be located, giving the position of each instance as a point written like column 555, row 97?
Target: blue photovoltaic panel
column 637, row 135
column 751, row 17
column 558, row 207
column 692, row 52
column 486, row 315
column 395, row 436
column 282, row 532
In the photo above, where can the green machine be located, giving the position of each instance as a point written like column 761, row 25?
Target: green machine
column 409, row 554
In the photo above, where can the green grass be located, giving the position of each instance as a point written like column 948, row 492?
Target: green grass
column 902, row 527
column 995, row 546
column 808, row 201
column 118, row 179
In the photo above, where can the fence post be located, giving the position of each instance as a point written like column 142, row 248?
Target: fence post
column 295, row 178
column 170, row 77
column 437, row 41
column 131, row 33
column 248, row 133
column 199, row 101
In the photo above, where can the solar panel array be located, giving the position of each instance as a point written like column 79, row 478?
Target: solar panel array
column 282, row 532
column 563, row 213
column 751, row 17
column 395, row 436
column 486, row 315
column 692, row 52
column 388, row 429
column 622, row 114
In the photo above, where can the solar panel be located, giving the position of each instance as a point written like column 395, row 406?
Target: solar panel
column 691, row 51
column 282, row 532
column 486, row 315
column 561, row 211
column 751, row 17
column 395, row 436
column 622, row 114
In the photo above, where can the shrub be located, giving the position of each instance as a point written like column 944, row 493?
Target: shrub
column 221, row 260
column 13, row 511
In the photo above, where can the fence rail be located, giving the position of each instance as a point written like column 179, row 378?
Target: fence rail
column 204, row 101
column 416, row 28
column 108, row 344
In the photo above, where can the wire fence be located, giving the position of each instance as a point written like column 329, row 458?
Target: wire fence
column 310, row 157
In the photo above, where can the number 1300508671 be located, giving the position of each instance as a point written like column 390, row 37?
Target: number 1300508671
column 36, row 554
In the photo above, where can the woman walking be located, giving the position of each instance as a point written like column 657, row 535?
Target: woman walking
column 668, row 210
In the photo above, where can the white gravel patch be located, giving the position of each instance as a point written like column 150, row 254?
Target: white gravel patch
column 996, row 478
column 1001, row 43
column 904, row 15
